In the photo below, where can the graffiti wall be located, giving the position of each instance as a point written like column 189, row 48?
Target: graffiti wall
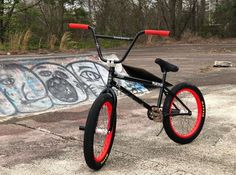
column 40, row 85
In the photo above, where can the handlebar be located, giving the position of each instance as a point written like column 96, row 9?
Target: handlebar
column 162, row 33
column 78, row 26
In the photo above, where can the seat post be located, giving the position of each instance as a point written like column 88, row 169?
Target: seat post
column 161, row 89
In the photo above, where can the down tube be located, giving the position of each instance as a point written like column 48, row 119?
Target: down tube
column 132, row 96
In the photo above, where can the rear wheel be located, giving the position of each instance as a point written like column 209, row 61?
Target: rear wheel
column 182, row 127
column 98, row 139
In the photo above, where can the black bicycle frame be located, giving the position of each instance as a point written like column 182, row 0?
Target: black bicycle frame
column 112, row 74
column 163, row 90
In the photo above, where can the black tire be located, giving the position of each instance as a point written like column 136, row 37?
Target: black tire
column 177, row 127
column 96, row 154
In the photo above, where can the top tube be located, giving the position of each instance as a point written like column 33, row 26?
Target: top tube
column 162, row 33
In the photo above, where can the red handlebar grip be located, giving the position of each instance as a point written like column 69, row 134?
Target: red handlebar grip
column 78, row 26
column 157, row 32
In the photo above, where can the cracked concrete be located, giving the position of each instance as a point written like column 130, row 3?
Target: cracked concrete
column 48, row 132
column 52, row 144
column 55, row 148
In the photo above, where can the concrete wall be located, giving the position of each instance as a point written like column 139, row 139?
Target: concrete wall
column 32, row 86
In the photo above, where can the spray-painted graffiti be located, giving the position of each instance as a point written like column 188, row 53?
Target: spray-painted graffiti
column 63, row 87
column 92, row 75
column 24, row 91
column 39, row 86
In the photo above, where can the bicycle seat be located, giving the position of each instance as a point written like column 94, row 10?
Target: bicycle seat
column 165, row 66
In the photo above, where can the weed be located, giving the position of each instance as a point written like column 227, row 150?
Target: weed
column 25, row 41
column 15, row 41
column 52, row 42
column 64, row 41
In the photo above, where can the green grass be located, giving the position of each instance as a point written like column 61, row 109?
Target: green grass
column 82, row 44
column 112, row 43
column 87, row 44
column 2, row 47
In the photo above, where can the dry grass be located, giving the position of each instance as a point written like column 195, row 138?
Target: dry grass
column 64, row 41
column 190, row 38
column 149, row 40
column 40, row 43
column 2, row 49
column 26, row 39
column 15, row 41
column 52, row 42
column 19, row 41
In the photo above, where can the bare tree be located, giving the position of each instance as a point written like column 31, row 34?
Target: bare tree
column 52, row 16
column 176, row 16
column 201, row 15
column 6, row 12
column 1, row 20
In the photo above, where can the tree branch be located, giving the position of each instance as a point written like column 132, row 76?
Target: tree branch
column 28, row 7
column 187, row 20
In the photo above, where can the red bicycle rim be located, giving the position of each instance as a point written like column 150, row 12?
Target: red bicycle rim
column 107, row 141
column 198, row 119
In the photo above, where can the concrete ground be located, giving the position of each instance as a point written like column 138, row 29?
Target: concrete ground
column 51, row 144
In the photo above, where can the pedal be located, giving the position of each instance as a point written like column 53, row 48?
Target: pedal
column 82, row 128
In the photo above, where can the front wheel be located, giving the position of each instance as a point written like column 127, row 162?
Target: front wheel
column 184, row 113
column 99, row 131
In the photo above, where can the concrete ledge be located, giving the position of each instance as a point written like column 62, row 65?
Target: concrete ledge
column 39, row 85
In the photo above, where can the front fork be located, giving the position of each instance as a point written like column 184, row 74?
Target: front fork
column 110, row 91
column 114, row 106
column 114, row 97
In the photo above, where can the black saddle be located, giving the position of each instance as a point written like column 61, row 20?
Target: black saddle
column 143, row 74
column 165, row 66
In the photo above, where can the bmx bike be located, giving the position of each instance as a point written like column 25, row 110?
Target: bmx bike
column 182, row 112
